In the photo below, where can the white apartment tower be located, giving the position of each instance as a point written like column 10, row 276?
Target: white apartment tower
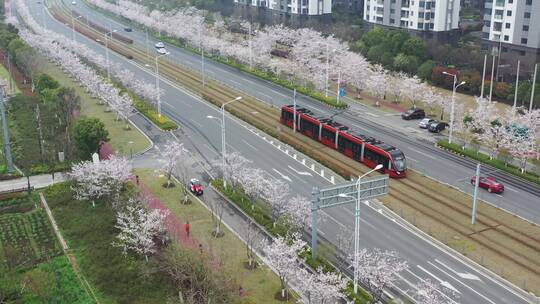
column 295, row 7
column 420, row 15
column 515, row 22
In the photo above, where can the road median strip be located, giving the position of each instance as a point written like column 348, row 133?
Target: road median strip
column 429, row 210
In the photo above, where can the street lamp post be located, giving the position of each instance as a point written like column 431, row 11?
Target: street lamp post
column 357, row 225
column 106, row 35
column 7, row 143
column 157, row 82
column 453, row 103
column 223, row 139
column 73, row 26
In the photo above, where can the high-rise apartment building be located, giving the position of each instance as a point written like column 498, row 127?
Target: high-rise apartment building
column 294, row 7
column 421, row 15
column 513, row 22
column 512, row 32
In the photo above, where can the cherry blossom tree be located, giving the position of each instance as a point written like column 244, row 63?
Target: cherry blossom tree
column 139, row 228
column 321, row 287
column 170, row 155
column 276, row 194
column 298, row 211
column 235, row 164
column 378, row 269
column 429, row 292
column 253, row 182
column 282, row 255
column 94, row 181
column 521, row 136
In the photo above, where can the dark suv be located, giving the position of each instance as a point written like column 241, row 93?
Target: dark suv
column 437, row 126
column 413, row 114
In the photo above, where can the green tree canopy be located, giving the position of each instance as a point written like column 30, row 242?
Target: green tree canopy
column 406, row 63
column 414, row 46
column 89, row 134
column 424, row 71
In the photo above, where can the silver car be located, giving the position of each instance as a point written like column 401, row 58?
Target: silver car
column 159, row 45
column 424, row 123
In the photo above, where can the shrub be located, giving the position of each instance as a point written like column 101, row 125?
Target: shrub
column 163, row 122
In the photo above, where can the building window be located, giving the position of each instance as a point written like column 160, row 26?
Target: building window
column 522, row 53
column 509, row 13
column 412, row 13
column 421, row 4
column 510, row 1
column 421, row 15
column 392, row 21
column 523, row 40
column 506, row 38
column 428, row 5
column 420, row 25
column 525, row 28
column 527, row 15
column 507, row 25
column 367, row 17
column 431, row 25
column 392, row 11
column 528, row 2
column 379, row 19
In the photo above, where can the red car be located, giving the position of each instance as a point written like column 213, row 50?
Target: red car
column 489, row 183
column 196, row 187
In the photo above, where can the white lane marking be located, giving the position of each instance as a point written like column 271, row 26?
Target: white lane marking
column 285, row 177
column 211, row 149
column 420, row 279
column 464, row 275
column 513, row 190
column 431, row 241
column 498, row 195
column 414, row 160
column 443, row 283
column 300, row 179
column 235, row 82
column 420, row 152
column 250, row 145
column 197, row 123
column 467, row 286
column 371, row 114
column 299, row 172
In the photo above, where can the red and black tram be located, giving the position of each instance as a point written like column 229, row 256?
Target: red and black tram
column 359, row 147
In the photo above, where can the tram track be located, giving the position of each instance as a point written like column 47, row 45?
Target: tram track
column 513, row 245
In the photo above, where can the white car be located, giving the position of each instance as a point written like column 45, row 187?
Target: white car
column 159, row 45
column 73, row 3
column 162, row 51
column 424, row 123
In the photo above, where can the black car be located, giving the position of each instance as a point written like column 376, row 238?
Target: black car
column 413, row 114
column 128, row 29
column 437, row 126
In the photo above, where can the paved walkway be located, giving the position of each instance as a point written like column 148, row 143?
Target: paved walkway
column 36, row 181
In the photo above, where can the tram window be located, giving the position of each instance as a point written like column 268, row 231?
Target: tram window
column 357, row 150
column 370, row 154
column 286, row 115
column 328, row 134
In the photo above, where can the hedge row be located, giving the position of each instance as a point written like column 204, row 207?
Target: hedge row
column 44, row 168
column 483, row 158
column 261, row 214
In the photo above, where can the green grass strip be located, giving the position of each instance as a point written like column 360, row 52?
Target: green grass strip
column 483, row 158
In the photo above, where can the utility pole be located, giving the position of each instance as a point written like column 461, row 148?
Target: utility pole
column 483, row 77
column 7, row 143
column 294, row 111
column 517, row 85
column 338, row 84
column 533, row 85
column 491, row 82
column 475, row 196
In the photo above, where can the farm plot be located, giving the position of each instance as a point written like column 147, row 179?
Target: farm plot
column 26, row 239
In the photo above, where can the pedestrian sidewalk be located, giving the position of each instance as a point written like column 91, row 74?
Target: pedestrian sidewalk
column 36, row 181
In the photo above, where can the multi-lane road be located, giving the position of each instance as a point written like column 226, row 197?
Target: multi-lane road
column 427, row 259
column 520, row 197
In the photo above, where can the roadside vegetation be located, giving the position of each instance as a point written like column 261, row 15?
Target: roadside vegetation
column 33, row 268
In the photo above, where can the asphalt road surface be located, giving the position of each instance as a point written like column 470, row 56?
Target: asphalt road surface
column 379, row 229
